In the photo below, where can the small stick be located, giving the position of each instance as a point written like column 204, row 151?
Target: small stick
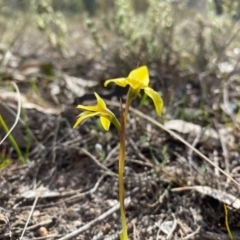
column 18, row 112
column 95, row 221
column 29, row 216
column 97, row 162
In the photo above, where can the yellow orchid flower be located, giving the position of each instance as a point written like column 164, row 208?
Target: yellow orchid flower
column 139, row 79
column 106, row 116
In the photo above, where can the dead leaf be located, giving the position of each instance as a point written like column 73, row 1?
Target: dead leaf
column 77, row 85
column 11, row 98
column 220, row 195
column 41, row 192
column 195, row 130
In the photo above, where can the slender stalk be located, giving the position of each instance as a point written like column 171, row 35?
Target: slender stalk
column 127, row 105
column 124, row 235
column 124, row 115
column 226, row 222
column 116, row 123
column 12, row 140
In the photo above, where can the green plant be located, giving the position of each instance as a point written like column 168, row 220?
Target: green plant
column 51, row 22
column 4, row 159
column 165, row 35
column 12, row 140
column 138, row 79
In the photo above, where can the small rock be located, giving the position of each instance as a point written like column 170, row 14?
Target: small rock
column 43, row 231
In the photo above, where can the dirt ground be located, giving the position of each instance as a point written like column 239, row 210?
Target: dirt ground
column 68, row 187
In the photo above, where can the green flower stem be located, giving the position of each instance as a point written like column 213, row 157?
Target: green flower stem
column 130, row 96
column 116, row 123
column 12, row 140
column 124, row 235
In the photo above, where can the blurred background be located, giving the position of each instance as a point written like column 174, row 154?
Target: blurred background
column 183, row 42
column 60, row 51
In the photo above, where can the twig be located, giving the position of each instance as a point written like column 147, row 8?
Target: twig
column 183, row 141
column 75, row 197
column 55, row 140
column 95, row 221
column 29, row 216
column 162, row 196
column 40, row 224
column 69, row 199
column 140, row 162
column 217, row 236
column 173, row 227
column 226, row 42
column 191, row 235
column 140, row 155
column 135, row 231
column 48, row 237
column 52, row 171
column 190, row 154
column 97, row 162
column 226, row 105
column 224, row 148
column 18, row 113
column 153, row 121
column 110, row 154
column 158, row 224
column 216, row 161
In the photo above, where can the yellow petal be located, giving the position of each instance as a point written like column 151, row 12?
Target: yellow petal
column 119, row 81
column 84, row 116
column 158, row 102
column 100, row 103
column 105, row 123
column 100, row 107
column 139, row 78
column 88, row 108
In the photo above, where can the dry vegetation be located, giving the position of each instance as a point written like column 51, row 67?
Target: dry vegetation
column 58, row 55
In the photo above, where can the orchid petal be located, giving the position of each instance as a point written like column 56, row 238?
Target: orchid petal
column 122, row 82
column 89, row 108
column 157, row 100
column 84, row 116
column 105, row 123
column 100, row 103
column 100, row 107
column 139, row 78
column 101, row 110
